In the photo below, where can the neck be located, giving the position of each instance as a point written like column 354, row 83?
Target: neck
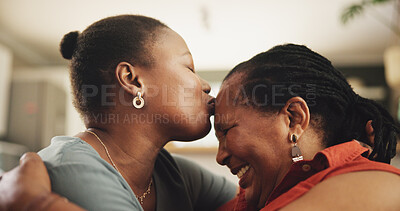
column 133, row 149
column 310, row 145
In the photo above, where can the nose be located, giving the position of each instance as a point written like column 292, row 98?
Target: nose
column 222, row 155
column 205, row 86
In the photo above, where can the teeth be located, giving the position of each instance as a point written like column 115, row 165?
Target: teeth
column 242, row 171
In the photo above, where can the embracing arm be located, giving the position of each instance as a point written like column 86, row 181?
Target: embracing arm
column 364, row 190
column 27, row 187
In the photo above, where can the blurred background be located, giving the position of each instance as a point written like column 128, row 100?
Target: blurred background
column 35, row 98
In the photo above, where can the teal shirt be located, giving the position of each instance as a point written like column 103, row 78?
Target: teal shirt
column 78, row 172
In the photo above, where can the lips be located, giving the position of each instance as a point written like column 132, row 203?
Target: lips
column 240, row 171
column 211, row 106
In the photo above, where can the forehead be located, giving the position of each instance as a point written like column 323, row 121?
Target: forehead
column 230, row 89
column 170, row 43
column 226, row 110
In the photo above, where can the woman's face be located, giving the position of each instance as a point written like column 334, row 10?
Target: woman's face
column 176, row 92
column 252, row 144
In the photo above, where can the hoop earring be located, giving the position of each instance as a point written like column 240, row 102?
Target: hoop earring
column 137, row 99
column 296, row 153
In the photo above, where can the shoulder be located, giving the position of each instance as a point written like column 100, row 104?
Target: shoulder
column 361, row 190
column 77, row 172
column 360, row 164
column 65, row 149
column 66, row 152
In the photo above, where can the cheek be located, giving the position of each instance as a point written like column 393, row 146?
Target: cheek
column 191, row 93
column 196, row 101
column 178, row 93
column 240, row 145
column 187, row 90
column 252, row 146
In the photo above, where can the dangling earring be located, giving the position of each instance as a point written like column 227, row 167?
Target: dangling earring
column 138, row 99
column 296, row 153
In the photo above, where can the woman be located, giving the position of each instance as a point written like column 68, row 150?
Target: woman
column 134, row 84
column 286, row 121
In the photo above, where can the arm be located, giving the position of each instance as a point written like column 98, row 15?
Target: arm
column 364, row 190
column 27, row 187
column 208, row 191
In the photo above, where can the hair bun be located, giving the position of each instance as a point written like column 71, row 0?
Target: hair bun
column 68, row 44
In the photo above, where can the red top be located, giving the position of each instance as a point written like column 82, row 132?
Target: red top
column 303, row 175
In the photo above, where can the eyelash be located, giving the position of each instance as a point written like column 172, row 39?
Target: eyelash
column 226, row 130
column 191, row 69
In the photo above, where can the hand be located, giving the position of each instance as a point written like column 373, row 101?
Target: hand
column 25, row 183
column 369, row 130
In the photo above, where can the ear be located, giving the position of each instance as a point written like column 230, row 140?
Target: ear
column 128, row 77
column 296, row 109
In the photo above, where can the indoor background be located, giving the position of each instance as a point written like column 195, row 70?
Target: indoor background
column 35, row 98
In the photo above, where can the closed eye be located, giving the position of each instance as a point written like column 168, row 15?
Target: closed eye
column 225, row 131
column 221, row 134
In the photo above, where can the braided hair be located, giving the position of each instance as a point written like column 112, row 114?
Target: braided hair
column 96, row 52
column 271, row 78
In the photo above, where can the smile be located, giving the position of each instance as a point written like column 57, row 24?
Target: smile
column 242, row 171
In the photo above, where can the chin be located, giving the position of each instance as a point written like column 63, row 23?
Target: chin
column 194, row 132
column 255, row 198
column 202, row 133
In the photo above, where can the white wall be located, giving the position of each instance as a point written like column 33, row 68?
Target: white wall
column 5, row 75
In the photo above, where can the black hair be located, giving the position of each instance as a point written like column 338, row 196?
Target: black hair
column 290, row 70
column 96, row 52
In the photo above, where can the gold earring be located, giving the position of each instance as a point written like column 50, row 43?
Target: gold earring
column 296, row 153
column 138, row 101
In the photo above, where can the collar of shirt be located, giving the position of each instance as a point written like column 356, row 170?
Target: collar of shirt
column 329, row 157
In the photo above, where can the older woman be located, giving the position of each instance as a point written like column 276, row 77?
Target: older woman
column 286, row 121
column 134, row 84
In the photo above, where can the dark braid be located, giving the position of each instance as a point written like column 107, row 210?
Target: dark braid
column 290, row 70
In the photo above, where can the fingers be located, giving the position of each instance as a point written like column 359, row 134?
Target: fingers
column 369, row 130
column 31, row 162
column 30, row 157
column 31, row 165
column 366, row 146
column 370, row 133
column 24, row 183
